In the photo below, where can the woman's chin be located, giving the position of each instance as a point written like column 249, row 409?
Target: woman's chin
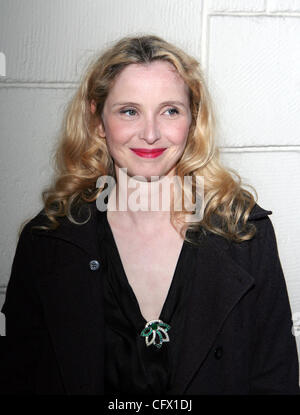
column 143, row 175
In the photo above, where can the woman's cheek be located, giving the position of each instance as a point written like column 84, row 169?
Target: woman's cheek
column 179, row 133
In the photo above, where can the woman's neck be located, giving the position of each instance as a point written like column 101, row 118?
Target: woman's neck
column 142, row 204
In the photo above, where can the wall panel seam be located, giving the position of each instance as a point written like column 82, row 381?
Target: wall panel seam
column 254, row 14
column 261, row 148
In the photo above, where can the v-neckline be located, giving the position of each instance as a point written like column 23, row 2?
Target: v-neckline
column 164, row 315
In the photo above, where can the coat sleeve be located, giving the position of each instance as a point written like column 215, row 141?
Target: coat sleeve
column 23, row 316
column 275, row 367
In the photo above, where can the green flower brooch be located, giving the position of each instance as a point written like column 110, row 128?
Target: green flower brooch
column 155, row 332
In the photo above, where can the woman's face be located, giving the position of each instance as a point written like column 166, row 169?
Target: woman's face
column 147, row 109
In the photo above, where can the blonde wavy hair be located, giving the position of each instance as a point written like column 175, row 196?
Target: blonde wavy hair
column 82, row 155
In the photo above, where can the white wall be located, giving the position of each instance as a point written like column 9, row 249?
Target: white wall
column 250, row 52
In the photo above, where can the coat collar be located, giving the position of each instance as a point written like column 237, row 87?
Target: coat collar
column 218, row 287
column 85, row 235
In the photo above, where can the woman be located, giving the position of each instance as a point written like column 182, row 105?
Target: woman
column 116, row 296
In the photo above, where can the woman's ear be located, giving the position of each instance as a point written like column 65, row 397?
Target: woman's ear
column 100, row 126
column 101, row 129
column 93, row 106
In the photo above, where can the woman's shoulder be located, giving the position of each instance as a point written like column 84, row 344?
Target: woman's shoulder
column 41, row 224
column 252, row 252
column 259, row 256
column 258, row 217
column 258, row 212
column 38, row 225
column 39, row 219
column 265, row 231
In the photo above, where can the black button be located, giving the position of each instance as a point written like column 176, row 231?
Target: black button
column 94, row 265
column 219, row 352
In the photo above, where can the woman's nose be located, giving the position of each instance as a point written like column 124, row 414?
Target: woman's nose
column 150, row 131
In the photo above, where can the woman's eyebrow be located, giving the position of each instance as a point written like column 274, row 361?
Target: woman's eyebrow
column 125, row 103
column 179, row 103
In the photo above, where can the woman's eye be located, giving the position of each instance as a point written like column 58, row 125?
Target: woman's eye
column 129, row 112
column 172, row 111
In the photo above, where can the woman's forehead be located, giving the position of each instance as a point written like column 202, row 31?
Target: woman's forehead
column 138, row 77
column 158, row 68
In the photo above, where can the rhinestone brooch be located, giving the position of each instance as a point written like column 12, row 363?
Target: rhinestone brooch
column 155, row 332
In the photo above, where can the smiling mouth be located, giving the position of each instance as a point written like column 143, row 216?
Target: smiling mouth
column 146, row 153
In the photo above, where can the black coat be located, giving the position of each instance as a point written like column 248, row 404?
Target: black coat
column 238, row 338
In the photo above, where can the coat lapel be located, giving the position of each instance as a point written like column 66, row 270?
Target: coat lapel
column 218, row 286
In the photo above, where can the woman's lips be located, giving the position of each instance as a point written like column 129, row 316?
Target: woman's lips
column 142, row 152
